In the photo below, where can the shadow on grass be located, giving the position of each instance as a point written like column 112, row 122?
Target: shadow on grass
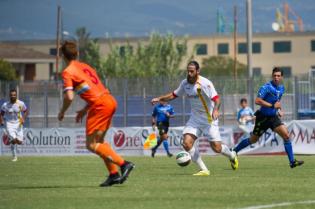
column 15, row 187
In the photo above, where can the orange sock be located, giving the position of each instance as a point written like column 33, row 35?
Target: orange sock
column 111, row 167
column 106, row 152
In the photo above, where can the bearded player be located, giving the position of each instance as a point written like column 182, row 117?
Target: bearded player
column 205, row 105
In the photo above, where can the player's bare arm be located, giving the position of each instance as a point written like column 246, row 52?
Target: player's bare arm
column 261, row 102
column 164, row 98
column 67, row 100
column 153, row 122
column 215, row 112
column 81, row 113
column 25, row 114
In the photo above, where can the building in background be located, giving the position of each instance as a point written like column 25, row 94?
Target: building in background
column 30, row 64
column 293, row 52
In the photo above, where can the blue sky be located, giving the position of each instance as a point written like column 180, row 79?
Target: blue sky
column 36, row 19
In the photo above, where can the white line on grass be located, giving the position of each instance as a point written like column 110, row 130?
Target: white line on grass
column 280, row 204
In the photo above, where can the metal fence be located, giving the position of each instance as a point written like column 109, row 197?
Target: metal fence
column 44, row 100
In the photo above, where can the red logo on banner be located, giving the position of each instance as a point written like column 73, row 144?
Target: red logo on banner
column 119, row 138
column 5, row 139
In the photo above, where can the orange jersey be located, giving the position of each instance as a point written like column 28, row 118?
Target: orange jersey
column 84, row 80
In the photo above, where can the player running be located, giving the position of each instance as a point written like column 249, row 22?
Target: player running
column 14, row 113
column 100, row 108
column 161, row 115
column 205, row 104
column 268, row 116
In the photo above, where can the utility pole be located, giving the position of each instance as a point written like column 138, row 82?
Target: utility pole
column 249, row 52
column 235, row 43
column 58, row 42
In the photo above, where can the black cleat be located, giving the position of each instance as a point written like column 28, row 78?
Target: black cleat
column 296, row 163
column 153, row 152
column 126, row 168
column 169, row 154
column 112, row 179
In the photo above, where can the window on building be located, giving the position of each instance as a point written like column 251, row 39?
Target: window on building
column 312, row 45
column 287, row 71
column 223, row 48
column 242, row 48
column 123, row 50
column 51, row 71
column 282, row 46
column 201, row 49
column 256, row 48
column 256, row 71
column 53, row 51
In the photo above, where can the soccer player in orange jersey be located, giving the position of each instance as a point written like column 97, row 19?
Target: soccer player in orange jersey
column 100, row 108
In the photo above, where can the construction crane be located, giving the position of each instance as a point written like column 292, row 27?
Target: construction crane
column 284, row 23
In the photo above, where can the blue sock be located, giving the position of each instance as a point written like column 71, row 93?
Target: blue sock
column 165, row 145
column 289, row 150
column 244, row 143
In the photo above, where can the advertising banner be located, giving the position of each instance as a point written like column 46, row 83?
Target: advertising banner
column 301, row 132
column 130, row 140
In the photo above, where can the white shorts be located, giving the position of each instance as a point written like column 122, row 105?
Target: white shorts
column 203, row 129
column 14, row 131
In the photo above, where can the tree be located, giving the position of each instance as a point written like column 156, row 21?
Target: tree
column 161, row 56
column 7, row 71
column 222, row 66
column 83, row 38
column 89, row 49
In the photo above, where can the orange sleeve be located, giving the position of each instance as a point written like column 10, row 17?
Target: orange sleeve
column 67, row 81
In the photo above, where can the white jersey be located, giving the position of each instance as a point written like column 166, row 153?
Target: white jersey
column 13, row 112
column 198, row 112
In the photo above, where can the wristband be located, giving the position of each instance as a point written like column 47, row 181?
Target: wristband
column 273, row 106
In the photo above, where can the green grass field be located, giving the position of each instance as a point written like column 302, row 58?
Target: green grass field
column 72, row 182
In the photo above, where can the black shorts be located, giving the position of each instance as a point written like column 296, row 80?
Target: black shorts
column 163, row 127
column 263, row 122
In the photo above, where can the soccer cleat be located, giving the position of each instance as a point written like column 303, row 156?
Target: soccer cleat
column 14, row 159
column 153, row 152
column 112, row 179
column 169, row 154
column 234, row 162
column 126, row 168
column 202, row 173
column 296, row 163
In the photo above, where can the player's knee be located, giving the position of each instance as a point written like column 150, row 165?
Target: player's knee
column 253, row 139
column 286, row 137
column 216, row 147
column 90, row 146
column 187, row 145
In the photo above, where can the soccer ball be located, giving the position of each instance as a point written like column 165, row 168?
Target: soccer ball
column 183, row 158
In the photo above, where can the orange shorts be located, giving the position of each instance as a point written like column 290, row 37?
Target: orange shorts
column 100, row 114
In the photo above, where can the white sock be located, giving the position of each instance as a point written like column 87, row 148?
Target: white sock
column 226, row 152
column 13, row 149
column 195, row 157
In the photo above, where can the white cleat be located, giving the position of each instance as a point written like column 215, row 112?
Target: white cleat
column 14, row 159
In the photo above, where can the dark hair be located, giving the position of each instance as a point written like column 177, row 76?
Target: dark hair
column 13, row 90
column 195, row 63
column 69, row 50
column 277, row 69
column 243, row 100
